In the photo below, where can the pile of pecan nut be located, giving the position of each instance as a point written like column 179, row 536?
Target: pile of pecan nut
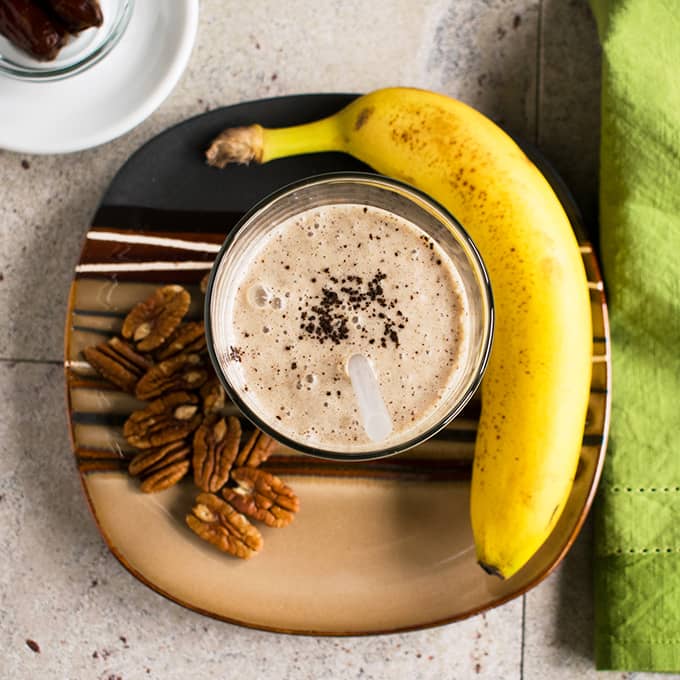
column 162, row 360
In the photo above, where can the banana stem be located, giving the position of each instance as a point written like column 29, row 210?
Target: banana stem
column 314, row 137
column 253, row 143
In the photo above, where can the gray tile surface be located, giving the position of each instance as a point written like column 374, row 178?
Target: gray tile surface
column 532, row 65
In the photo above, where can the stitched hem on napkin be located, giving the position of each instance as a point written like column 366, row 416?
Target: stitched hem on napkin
column 636, row 609
column 657, row 655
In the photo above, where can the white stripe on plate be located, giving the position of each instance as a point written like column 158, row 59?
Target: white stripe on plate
column 154, row 241
column 586, row 249
column 600, row 358
column 76, row 364
column 595, row 285
column 142, row 266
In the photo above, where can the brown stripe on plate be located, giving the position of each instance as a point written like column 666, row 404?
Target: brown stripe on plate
column 384, row 468
column 104, row 245
column 77, row 381
column 112, row 419
column 106, row 334
column 599, row 377
column 423, row 469
column 138, row 218
column 87, row 466
column 84, row 453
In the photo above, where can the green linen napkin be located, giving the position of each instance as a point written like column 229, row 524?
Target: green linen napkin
column 637, row 521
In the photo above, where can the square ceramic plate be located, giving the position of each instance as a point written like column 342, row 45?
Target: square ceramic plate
column 377, row 547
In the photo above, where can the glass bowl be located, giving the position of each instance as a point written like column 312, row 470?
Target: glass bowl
column 379, row 192
column 81, row 52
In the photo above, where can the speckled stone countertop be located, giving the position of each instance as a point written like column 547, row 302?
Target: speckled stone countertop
column 532, row 65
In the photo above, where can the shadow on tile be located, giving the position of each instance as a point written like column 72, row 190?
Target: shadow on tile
column 575, row 609
column 559, row 619
column 559, row 626
column 568, row 125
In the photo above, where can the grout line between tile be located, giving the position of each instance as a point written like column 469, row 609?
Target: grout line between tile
column 539, row 74
column 48, row 362
column 524, row 618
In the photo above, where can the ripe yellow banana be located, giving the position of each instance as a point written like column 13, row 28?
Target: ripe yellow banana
column 535, row 391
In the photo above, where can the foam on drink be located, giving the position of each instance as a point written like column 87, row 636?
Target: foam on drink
column 330, row 283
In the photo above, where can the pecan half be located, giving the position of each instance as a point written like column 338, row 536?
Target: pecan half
column 256, row 450
column 262, row 496
column 215, row 447
column 152, row 460
column 204, row 283
column 187, row 337
column 151, row 322
column 217, row 522
column 118, row 362
column 168, row 419
column 165, row 477
column 213, row 396
column 184, row 372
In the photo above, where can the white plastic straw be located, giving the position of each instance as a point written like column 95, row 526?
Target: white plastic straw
column 376, row 419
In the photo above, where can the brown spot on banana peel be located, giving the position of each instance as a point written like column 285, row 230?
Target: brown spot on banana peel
column 492, row 571
column 241, row 145
column 363, row 117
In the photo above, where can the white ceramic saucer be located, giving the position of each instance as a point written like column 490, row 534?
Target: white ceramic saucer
column 110, row 98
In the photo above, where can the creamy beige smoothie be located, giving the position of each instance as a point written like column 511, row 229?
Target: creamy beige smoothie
column 330, row 283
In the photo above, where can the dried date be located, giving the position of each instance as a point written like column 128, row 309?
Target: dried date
column 77, row 15
column 30, row 28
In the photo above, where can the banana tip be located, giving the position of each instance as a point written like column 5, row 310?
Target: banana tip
column 493, row 571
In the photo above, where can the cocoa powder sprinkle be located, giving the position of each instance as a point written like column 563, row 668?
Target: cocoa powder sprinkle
column 235, row 354
column 331, row 310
